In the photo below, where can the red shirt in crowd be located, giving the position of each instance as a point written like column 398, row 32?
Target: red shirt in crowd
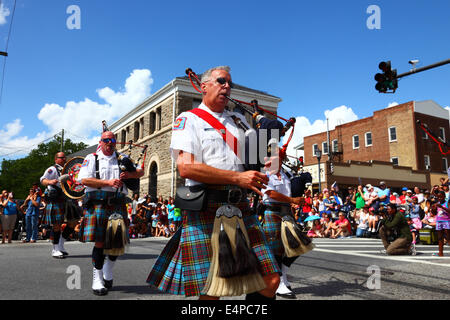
column 307, row 205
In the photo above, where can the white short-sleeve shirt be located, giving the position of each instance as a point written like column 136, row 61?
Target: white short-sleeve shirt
column 108, row 169
column 281, row 185
column 194, row 135
column 52, row 173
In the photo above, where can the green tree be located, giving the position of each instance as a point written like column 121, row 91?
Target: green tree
column 19, row 175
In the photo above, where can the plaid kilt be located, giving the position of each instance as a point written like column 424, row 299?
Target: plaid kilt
column 54, row 213
column 183, row 265
column 96, row 219
column 272, row 231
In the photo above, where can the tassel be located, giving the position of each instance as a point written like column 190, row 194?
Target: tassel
column 247, row 262
column 117, row 242
column 292, row 242
column 226, row 258
column 109, row 236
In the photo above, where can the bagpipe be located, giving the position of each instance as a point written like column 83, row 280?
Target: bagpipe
column 444, row 148
column 266, row 133
column 69, row 174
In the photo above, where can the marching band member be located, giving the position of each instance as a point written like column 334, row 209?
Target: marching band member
column 105, row 199
column 55, row 209
column 277, row 201
column 203, row 156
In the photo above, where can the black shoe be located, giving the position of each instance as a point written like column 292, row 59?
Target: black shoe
column 64, row 253
column 100, row 292
column 289, row 295
column 108, row 283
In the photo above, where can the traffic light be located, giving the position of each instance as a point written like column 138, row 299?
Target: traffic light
column 388, row 79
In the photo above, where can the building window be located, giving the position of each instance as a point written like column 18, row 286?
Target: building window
column 136, row 130
column 424, row 134
column 325, row 147
column 368, row 139
column 444, row 164
column 355, row 142
column 152, row 122
column 426, row 160
column 141, row 134
column 392, row 134
column 158, row 119
column 335, row 145
column 315, row 149
column 123, row 138
column 442, row 133
column 394, row 161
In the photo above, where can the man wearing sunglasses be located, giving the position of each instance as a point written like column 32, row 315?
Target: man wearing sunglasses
column 55, row 208
column 204, row 157
column 105, row 194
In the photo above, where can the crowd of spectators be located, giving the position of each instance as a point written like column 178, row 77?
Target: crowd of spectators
column 358, row 210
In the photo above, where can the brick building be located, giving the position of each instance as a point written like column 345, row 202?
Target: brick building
column 150, row 123
column 391, row 136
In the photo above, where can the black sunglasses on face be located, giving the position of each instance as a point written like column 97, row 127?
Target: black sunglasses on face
column 222, row 81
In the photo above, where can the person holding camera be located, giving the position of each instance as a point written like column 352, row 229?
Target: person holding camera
column 8, row 216
column 395, row 221
column 32, row 204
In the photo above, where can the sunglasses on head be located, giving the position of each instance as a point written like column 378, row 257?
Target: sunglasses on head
column 109, row 140
column 60, row 157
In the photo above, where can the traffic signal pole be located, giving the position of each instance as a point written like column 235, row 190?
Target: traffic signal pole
column 431, row 66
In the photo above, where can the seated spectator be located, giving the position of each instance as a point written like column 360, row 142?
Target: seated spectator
column 429, row 221
column 316, row 230
column 327, row 225
column 373, row 220
column 363, row 222
column 343, row 226
column 394, row 220
column 371, row 196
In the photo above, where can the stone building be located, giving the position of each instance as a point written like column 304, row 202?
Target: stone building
column 150, row 123
column 388, row 146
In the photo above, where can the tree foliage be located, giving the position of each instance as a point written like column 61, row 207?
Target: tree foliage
column 19, row 175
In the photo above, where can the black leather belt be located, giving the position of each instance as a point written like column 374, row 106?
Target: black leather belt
column 231, row 196
column 279, row 208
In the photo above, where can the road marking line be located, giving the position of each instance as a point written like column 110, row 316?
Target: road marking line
column 394, row 258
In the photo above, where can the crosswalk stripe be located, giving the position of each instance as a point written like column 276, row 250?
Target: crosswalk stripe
column 379, row 256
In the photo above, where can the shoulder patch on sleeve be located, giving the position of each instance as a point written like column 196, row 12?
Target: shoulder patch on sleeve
column 49, row 171
column 180, row 123
column 85, row 163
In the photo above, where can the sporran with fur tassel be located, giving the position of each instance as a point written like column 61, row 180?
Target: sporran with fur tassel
column 115, row 239
column 295, row 243
column 234, row 268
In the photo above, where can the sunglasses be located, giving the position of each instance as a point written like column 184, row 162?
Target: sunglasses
column 109, row 140
column 222, row 81
column 60, row 157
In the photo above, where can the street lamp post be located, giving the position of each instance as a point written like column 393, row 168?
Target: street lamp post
column 318, row 155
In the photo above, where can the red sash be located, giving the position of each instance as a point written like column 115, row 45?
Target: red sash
column 220, row 128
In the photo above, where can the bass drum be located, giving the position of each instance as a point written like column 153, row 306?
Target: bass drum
column 71, row 187
column 298, row 184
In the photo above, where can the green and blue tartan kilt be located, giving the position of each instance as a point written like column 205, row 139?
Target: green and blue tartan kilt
column 54, row 213
column 96, row 219
column 183, row 265
column 272, row 231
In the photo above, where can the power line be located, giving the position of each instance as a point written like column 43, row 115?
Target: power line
column 29, row 147
column 6, row 50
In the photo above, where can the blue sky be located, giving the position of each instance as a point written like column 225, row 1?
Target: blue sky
column 319, row 57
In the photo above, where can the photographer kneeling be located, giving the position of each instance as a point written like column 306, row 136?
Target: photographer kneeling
column 394, row 220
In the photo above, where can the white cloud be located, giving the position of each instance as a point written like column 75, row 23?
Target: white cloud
column 392, row 104
column 82, row 119
column 4, row 12
column 304, row 127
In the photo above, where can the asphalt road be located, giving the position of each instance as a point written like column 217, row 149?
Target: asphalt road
column 336, row 269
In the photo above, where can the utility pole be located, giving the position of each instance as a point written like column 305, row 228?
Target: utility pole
column 62, row 140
